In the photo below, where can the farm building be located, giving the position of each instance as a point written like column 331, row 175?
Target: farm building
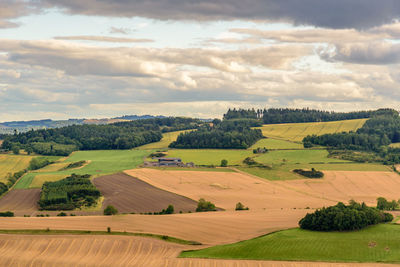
column 169, row 162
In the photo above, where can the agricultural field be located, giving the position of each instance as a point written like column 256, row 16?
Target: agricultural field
column 396, row 145
column 167, row 139
column 271, row 143
column 129, row 194
column 21, row 201
column 12, row 164
column 307, row 156
column 297, row 131
column 210, row 156
column 377, row 243
column 101, row 162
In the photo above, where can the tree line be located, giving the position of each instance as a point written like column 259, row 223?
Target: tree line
column 288, row 115
column 227, row 134
column 122, row 135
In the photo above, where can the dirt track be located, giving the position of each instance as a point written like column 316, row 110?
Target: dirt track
column 21, row 201
column 114, row 251
column 129, row 194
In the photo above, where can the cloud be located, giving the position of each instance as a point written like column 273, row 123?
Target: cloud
column 11, row 9
column 103, row 39
column 119, row 30
column 378, row 53
column 360, row 14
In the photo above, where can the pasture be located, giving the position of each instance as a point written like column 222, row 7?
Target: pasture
column 12, row 164
column 211, row 156
column 377, row 243
column 270, row 143
column 297, row 131
column 101, row 162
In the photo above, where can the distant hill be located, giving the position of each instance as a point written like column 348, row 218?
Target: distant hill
column 24, row 126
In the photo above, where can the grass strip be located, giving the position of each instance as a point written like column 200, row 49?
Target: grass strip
column 89, row 232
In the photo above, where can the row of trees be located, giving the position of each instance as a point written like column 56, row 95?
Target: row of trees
column 122, row 135
column 70, row 193
column 343, row 217
column 226, row 134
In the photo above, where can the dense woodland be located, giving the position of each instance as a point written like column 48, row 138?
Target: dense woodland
column 122, row 135
column 375, row 136
column 287, row 115
column 340, row 217
column 228, row 134
column 70, row 193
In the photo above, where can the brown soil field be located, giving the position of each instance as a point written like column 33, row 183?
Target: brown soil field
column 346, row 185
column 20, row 201
column 225, row 189
column 70, row 250
column 130, row 194
column 209, row 228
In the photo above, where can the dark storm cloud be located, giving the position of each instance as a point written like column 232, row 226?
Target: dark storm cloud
column 358, row 14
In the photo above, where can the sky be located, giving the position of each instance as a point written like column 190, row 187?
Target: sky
column 63, row 59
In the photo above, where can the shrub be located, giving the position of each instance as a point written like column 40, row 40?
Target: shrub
column 310, row 174
column 340, row 217
column 38, row 163
column 224, row 163
column 7, row 214
column 203, row 205
column 110, row 210
column 240, row 206
column 62, row 214
column 383, row 204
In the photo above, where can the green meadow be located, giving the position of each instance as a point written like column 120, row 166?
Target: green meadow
column 101, row 162
column 270, row 143
column 379, row 243
column 211, row 156
column 167, row 139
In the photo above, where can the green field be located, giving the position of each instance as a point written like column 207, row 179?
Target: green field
column 296, row 157
column 210, row 156
column 167, row 139
column 102, row 162
column 270, row 143
column 379, row 243
column 297, row 131
column 12, row 164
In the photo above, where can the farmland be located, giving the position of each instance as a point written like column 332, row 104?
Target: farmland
column 101, row 162
column 297, row 131
column 210, row 156
column 374, row 244
column 270, row 143
column 22, row 201
column 167, row 139
column 12, row 164
column 129, row 194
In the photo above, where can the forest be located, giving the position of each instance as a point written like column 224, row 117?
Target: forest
column 227, row 134
column 122, row 135
column 70, row 193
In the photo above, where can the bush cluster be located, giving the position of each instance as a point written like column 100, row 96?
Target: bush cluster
column 310, row 174
column 340, row 217
column 203, row 205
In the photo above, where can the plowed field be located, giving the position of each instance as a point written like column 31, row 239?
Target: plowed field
column 20, row 201
column 129, row 194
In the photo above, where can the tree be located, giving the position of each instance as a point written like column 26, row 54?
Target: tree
column 224, row 163
column 110, row 210
column 203, row 205
column 15, row 149
column 240, row 206
column 169, row 210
